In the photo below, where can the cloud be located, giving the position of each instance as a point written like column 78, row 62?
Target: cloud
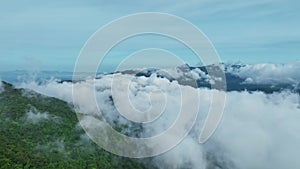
column 189, row 154
column 34, row 116
column 254, row 124
column 51, row 88
column 267, row 73
column 261, row 125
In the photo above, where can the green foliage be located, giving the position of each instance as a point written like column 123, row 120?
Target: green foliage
column 48, row 143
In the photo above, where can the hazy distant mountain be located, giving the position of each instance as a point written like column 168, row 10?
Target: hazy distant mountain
column 236, row 78
column 38, row 131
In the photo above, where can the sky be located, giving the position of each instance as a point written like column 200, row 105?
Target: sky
column 48, row 35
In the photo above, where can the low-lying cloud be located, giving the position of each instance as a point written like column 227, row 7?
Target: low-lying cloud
column 34, row 116
column 258, row 130
column 268, row 73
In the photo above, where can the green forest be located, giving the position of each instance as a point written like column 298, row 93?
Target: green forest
column 51, row 138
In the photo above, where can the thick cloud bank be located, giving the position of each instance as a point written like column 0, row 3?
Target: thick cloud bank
column 258, row 130
column 267, row 73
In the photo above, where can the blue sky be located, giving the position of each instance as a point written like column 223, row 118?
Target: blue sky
column 48, row 35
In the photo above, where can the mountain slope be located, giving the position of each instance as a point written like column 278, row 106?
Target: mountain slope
column 42, row 132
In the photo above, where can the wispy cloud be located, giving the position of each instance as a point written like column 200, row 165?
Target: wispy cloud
column 55, row 31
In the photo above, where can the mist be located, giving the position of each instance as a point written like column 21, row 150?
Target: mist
column 258, row 130
column 1, row 87
column 263, row 73
column 34, row 116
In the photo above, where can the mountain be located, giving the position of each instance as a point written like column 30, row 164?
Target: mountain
column 43, row 132
column 199, row 77
column 239, row 77
column 38, row 131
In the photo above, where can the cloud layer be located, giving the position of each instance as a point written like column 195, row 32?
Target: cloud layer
column 268, row 73
column 258, row 130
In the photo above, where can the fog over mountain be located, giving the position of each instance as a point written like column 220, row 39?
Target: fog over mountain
column 260, row 123
column 172, row 84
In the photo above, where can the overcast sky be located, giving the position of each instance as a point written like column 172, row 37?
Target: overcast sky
column 48, row 35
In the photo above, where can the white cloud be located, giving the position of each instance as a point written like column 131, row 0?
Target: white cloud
column 258, row 130
column 53, row 88
column 34, row 116
column 269, row 73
